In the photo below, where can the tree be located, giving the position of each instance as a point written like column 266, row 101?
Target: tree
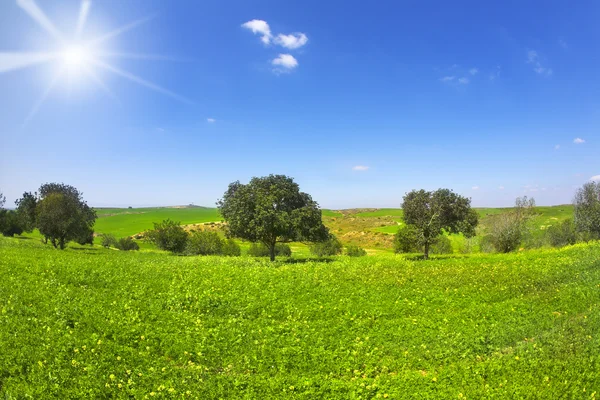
column 269, row 210
column 169, row 235
column 507, row 230
column 330, row 247
column 587, row 210
column 63, row 215
column 431, row 213
column 2, row 200
column 26, row 208
column 10, row 223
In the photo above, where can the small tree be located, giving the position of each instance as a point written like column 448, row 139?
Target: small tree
column 406, row 240
column 107, row 240
column 204, row 243
column 231, row 248
column 508, row 230
column 562, row 234
column 63, row 215
column 26, row 208
column 587, row 210
column 168, row 235
column 10, row 223
column 269, row 210
column 2, row 200
column 431, row 213
column 355, row 251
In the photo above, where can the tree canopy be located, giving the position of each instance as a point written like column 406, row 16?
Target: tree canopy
column 587, row 210
column 63, row 215
column 271, row 209
column 431, row 213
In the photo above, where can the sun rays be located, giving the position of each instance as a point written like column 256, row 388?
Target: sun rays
column 79, row 57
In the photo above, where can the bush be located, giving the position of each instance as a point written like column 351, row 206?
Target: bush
column 355, row 251
column 261, row 250
column 486, row 244
column 507, row 232
column 127, row 244
column 168, row 235
column 442, row 245
column 10, row 223
column 231, row 248
column 406, row 240
column 108, row 240
column 331, row 247
column 204, row 243
column 562, row 234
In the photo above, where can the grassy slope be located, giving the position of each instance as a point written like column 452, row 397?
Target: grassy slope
column 127, row 222
column 101, row 323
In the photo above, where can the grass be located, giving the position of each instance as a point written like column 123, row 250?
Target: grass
column 96, row 323
column 126, row 222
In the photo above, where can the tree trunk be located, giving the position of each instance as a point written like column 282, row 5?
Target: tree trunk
column 53, row 240
column 272, row 251
column 426, row 251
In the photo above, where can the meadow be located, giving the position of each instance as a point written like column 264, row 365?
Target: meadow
column 99, row 323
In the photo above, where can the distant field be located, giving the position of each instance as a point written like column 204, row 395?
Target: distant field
column 97, row 323
column 126, row 222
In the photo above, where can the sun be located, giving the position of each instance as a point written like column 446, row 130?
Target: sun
column 79, row 58
column 75, row 57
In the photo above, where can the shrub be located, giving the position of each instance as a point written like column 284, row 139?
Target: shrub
column 107, row 240
column 486, row 244
column 442, row 245
column 562, row 234
column 127, row 244
column 231, row 248
column 204, row 243
column 406, row 240
column 330, row 247
column 261, row 250
column 168, row 235
column 587, row 210
column 10, row 223
column 355, row 251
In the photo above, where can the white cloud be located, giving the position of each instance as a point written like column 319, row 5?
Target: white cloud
column 360, row 168
column 475, row 188
column 534, row 59
column 578, row 141
column 463, row 81
column 258, row 26
column 211, row 120
column 473, row 71
column 291, row 41
column 160, row 129
column 447, row 79
column 595, row 178
column 495, row 74
column 286, row 62
column 556, row 147
column 501, row 187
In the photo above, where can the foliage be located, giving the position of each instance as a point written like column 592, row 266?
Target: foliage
column 204, row 243
column 587, row 210
column 107, row 240
column 562, row 234
column 231, row 248
column 271, row 209
column 127, row 244
column 486, row 244
column 26, row 208
column 433, row 212
column 406, row 240
column 442, row 245
column 508, row 230
column 10, row 223
column 168, row 235
column 2, row 200
column 63, row 215
column 355, row 251
column 330, row 247
column 109, row 324
column 261, row 250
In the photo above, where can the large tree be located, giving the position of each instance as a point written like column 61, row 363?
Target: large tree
column 26, row 209
column 431, row 213
column 63, row 215
column 271, row 209
column 587, row 210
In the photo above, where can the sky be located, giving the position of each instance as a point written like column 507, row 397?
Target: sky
column 150, row 103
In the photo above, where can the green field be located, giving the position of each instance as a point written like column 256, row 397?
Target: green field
column 126, row 222
column 96, row 323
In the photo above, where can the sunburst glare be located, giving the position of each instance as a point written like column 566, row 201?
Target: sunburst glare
column 79, row 58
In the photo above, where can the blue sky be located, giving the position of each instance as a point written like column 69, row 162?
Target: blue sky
column 359, row 102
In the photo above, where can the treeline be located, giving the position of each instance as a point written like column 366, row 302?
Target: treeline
column 426, row 216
